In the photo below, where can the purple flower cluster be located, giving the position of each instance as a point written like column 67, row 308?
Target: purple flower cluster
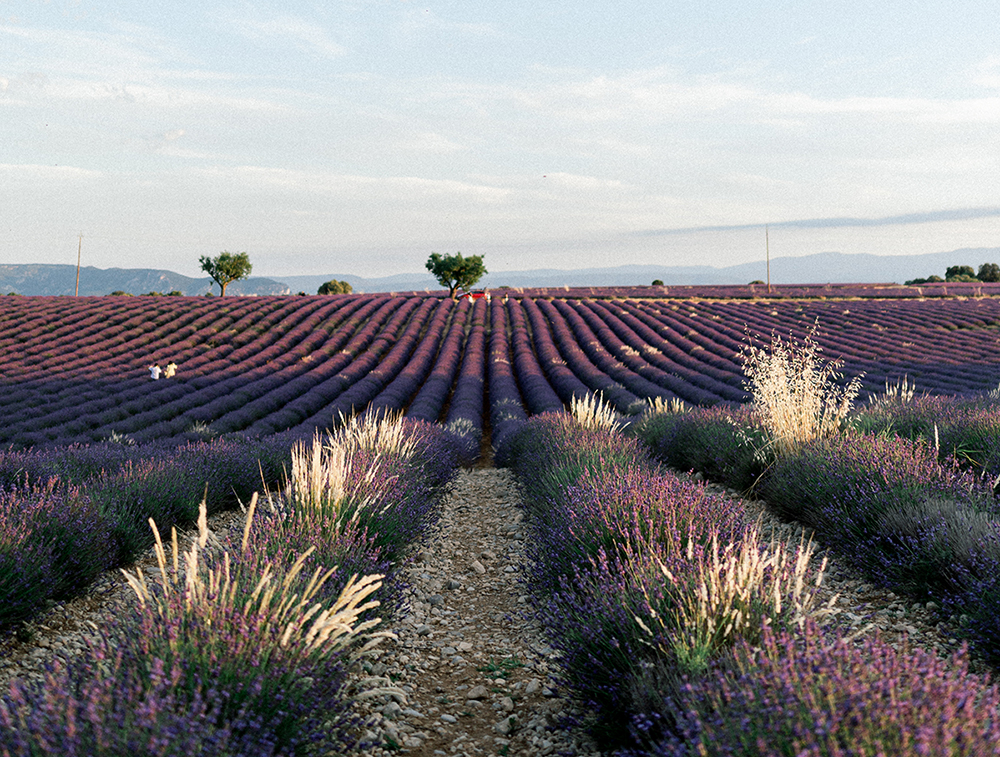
column 53, row 542
column 68, row 513
column 810, row 694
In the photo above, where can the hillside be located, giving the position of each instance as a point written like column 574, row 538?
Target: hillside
column 56, row 280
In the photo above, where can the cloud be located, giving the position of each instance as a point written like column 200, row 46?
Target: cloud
column 424, row 20
column 906, row 219
column 305, row 35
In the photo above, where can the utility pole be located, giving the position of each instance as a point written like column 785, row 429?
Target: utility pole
column 79, row 250
column 767, row 251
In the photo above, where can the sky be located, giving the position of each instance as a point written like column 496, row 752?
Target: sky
column 359, row 136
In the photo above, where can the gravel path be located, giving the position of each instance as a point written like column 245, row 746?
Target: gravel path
column 471, row 659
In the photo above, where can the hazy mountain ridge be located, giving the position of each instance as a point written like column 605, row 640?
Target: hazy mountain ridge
column 822, row 268
column 43, row 279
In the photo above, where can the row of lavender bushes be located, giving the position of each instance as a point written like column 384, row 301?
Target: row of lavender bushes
column 68, row 514
column 906, row 493
column 660, row 598
column 242, row 646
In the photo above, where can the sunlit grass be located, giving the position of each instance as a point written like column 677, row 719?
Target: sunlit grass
column 796, row 397
column 731, row 592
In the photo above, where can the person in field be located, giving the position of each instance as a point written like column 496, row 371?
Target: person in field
column 170, row 370
column 155, row 371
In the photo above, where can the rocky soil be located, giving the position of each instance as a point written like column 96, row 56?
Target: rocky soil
column 473, row 671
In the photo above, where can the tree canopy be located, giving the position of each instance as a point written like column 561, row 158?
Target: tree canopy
column 455, row 272
column 989, row 272
column 226, row 268
column 335, row 287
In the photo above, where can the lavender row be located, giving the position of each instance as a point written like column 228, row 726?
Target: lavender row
column 577, row 359
column 202, row 672
column 905, row 513
column 431, row 398
column 465, row 406
column 538, row 394
column 615, row 547
column 507, row 413
column 66, row 515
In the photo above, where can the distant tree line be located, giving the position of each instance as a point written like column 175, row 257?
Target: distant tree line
column 988, row 272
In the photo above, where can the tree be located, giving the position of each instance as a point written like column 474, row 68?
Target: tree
column 226, row 268
column 989, row 272
column 657, row 283
column 960, row 273
column 335, row 287
column 454, row 271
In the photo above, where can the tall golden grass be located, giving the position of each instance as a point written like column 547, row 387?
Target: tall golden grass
column 796, row 397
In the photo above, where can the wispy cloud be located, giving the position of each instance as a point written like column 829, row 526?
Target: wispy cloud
column 304, row 35
column 905, row 219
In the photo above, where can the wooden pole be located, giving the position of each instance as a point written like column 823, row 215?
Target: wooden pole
column 767, row 251
column 79, row 250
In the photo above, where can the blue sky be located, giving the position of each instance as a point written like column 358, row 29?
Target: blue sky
column 359, row 136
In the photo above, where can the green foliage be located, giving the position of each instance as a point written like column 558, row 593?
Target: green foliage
column 928, row 280
column 335, row 287
column 956, row 272
column 226, row 268
column 455, row 271
column 657, row 283
column 120, row 293
column 989, row 272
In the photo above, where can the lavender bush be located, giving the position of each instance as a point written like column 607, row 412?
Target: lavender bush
column 810, row 694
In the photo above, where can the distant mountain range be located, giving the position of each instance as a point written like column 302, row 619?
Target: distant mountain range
column 822, row 268
column 61, row 279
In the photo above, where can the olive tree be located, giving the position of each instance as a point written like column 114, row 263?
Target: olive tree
column 454, row 272
column 226, row 268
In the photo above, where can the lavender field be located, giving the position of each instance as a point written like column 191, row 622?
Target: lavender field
column 75, row 370
column 92, row 448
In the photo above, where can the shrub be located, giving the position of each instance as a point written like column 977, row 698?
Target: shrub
column 804, row 694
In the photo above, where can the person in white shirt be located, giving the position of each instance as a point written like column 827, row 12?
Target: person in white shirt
column 155, row 371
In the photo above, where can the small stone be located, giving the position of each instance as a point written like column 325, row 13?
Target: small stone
column 392, row 710
column 477, row 692
column 533, row 686
column 436, row 600
column 423, row 629
column 464, row 646
column 505, row 726
column 449, row 718
column 453, row 584
column 478, row 567
column 507, row 704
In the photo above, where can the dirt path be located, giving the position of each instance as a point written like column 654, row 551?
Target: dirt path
column 472, row 660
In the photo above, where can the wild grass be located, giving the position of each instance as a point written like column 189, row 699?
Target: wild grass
column 592, row 413
column 672, row 406
column 796, row 397
column 262, row 631
column 899, row 393
column 731, row 592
